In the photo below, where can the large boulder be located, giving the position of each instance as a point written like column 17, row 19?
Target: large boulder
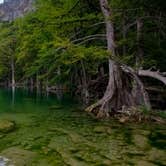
column 6, row 126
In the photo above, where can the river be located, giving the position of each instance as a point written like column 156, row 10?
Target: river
column 48, row 132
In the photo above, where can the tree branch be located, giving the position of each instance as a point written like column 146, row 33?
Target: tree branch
column 88, row 37
column 154, row 74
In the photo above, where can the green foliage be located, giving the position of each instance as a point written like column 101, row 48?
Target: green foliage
column 44, row 41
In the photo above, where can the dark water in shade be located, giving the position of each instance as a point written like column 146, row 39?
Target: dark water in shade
column 53, row 133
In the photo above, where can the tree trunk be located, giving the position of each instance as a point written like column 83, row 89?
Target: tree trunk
column 119, row 91
column 47, row 87
column 37, row 84
column 59, row 87
column 31, row 84
column 85, row 92
column 124, row 32
column 12, row 71
column 139, row 56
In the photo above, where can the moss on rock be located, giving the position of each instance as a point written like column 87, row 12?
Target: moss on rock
column 6, row 126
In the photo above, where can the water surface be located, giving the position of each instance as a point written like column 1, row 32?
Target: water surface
column 53, row 133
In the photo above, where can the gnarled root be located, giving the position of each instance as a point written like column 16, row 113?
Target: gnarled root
column 120, row 92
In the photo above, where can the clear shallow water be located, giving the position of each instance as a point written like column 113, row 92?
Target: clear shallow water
column 53, row 133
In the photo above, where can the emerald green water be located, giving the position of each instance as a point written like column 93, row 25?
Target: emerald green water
column 53, row 133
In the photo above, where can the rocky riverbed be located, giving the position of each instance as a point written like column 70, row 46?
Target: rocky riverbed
column 32, row 134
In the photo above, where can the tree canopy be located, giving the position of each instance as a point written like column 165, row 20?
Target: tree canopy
column 63, row 42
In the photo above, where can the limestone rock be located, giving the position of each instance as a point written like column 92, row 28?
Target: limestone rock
column 124, row 119
column 6, row 126
column 18, row 156
column 101, row 129
column 141, row 141
column 11, row 9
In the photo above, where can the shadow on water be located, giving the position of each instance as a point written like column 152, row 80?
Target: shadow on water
column 47, row 132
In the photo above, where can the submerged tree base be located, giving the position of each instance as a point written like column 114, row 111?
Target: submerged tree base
column 124, row 91
column 129, row 115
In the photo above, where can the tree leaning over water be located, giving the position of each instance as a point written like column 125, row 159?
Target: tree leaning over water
column 124, row 89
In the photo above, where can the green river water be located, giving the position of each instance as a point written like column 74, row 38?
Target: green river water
column 53, row 133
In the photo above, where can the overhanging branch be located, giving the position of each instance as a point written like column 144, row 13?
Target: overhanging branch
column 154, row 74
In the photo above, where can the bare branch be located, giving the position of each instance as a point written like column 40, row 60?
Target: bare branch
column 88, row 37
column 91, row 26
column 154, row 74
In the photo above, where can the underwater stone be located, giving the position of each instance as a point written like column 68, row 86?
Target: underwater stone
column 6, row 126
column 102, row 129
column 18, row 156
column 141, row 141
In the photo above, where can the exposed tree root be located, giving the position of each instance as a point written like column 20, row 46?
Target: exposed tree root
column 136, row 115
column 124, row 90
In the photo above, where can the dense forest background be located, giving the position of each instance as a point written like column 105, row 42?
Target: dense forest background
column 61, row 46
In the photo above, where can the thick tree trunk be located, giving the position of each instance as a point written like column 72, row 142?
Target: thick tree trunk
column 119, row 92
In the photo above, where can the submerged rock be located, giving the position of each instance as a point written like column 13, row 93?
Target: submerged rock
column 141, row 141
column 1, row 136
column 18, row 156
column 124, row 119
column 102, row 129
column 6, row 126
